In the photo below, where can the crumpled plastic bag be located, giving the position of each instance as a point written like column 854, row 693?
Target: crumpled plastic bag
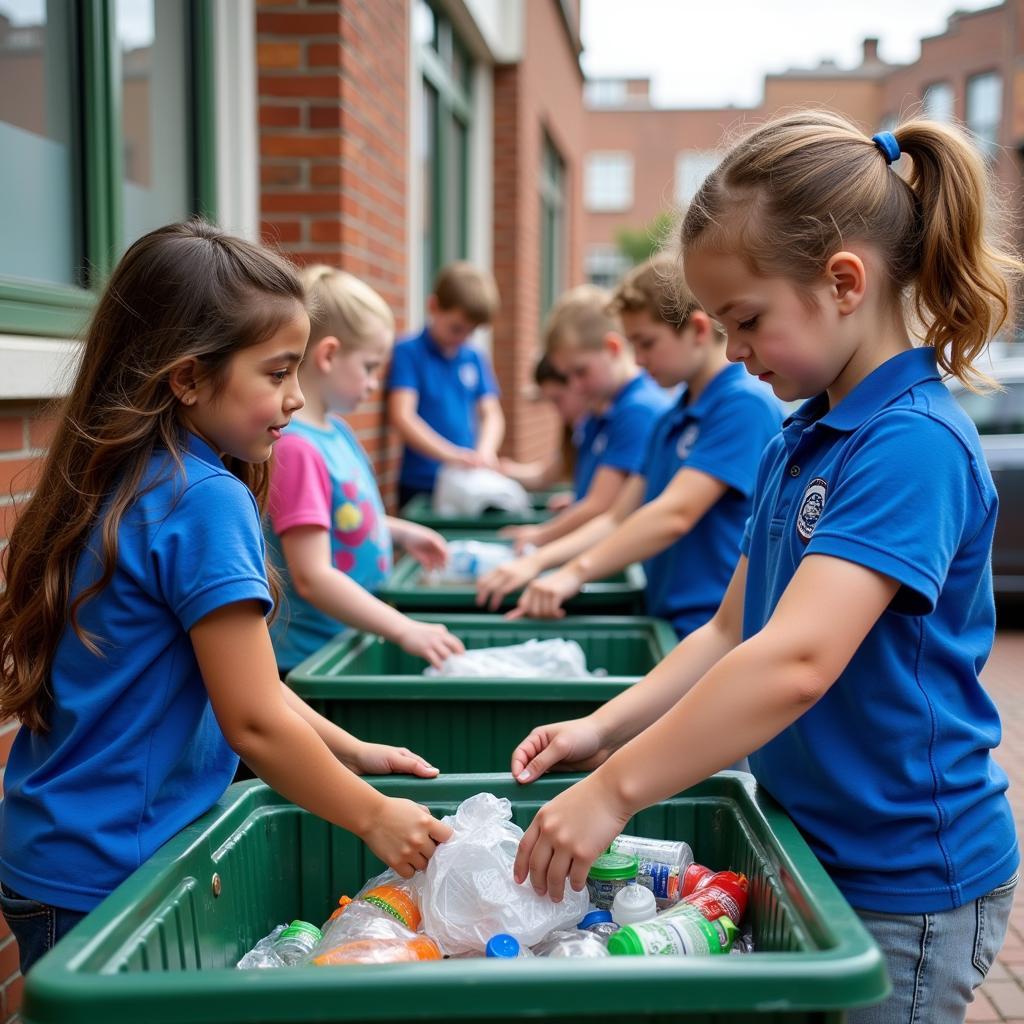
column 468, row 560
column 536, row 659
column 460, row 492
column 468, row 894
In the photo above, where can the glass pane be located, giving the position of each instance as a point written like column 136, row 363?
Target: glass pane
column 938, row 101
column 984, row 104
column 155, row 117
column 424, row 24
column 456, row 195
column 428, row 178
column 38, row 208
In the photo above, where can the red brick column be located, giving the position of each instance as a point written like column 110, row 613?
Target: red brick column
column 333, row 93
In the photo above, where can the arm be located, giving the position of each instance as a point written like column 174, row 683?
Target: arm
column 281, row 744
column 774, row 677
column 307, row 552
column 427, row 546
column 534, row 475
column 491, row 428
column 648, row 531
column 418, row 434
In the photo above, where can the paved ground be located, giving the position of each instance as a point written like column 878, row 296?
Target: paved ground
column 1002, row 996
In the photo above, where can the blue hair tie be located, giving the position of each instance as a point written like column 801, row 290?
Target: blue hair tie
column 887, row 143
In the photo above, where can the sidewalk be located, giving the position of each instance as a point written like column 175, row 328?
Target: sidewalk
column 1001, row 998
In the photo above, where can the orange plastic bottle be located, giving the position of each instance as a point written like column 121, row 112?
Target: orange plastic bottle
column 380, row 951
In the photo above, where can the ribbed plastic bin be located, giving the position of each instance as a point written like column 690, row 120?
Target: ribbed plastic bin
column 421, row 510
column 409, row 588
column 378, row 692
column 162, row 948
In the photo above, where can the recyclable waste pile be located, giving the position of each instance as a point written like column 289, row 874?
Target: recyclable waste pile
column 536, row 659
column 644, row 897
column 467, row 561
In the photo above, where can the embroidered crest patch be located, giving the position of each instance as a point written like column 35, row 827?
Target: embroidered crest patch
column 811, row 506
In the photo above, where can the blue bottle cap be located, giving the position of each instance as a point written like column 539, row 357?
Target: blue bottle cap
column 595, row 917
column 503, row 946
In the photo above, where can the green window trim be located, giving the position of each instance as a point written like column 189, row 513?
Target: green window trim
column 552, row 224
column 60, row 311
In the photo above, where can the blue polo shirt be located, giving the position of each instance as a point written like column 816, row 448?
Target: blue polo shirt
column 134, row 752
column 618, row 437
column 890, row 776
column 448, row 390
column 723, row 433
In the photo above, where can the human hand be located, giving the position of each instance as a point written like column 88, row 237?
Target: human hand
column 522, row 537
column 489, row 459
column 544, row 597
column 464, row 458
column 430, row 641
column 381, row 759
column 427, row 546
column 567, row 835
column 576, row 745
column 404, row 835
column 563, row 499
column 492, row 588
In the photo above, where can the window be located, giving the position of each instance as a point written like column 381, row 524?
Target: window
column 107, row 131
column 998, row 413
column 938, row 101
column 605, row 264
column 608, row 185
column 984, row 110
column 605, row 92
column 692, row 168
column 447, row 71
column 552, row 226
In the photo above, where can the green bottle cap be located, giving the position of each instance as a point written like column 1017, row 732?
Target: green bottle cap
column 625, row 942
column 301, row 928
column 614, row 866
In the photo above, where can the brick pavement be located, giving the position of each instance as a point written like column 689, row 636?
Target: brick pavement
column 1001, row 998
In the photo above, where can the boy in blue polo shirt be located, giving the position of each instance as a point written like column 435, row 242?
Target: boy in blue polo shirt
column 443, row 398
column 683, row 512
column 845, row 655
column 584, row 341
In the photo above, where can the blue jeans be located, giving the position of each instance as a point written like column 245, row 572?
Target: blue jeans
column 37, row 927
column 936, row 961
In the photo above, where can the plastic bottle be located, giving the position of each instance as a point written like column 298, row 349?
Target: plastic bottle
column 695, row 876
column 382, row 912
column 575, row 944
column 263, row 954
column 662, row 864
column 633, row 904
column 297, row 941
column 505, row 947
column 380, row 951
column 600, row 923
column 681, row 931
column 725, row 892
column 608, row 874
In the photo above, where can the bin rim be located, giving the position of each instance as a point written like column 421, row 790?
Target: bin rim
column 848, row 973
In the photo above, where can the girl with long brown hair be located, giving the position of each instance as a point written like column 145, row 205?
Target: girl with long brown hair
column 844, row 657
column 133, row 642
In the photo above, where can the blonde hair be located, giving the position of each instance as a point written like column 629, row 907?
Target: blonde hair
column 342, row 306
column 796, row 190
column 656, row 287
column 581, row 318
column 463, row 286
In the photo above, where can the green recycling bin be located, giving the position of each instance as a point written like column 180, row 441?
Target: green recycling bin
column 163, row 946
column 409, row 588
column 421, row 510
column 379, row 693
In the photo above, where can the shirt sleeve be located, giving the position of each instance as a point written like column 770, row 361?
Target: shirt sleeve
column 902, row 503
column 209, row 552
column 488, row 384
column 300, row 487
column 730, row 445
column 402, row 371
column 628, row 433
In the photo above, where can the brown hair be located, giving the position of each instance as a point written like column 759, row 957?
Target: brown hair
column 581, row 318
column 342, row 306
column 185, row 291
column 545, row 371
column 462, row 285
column 796, row 190
column 656, row 287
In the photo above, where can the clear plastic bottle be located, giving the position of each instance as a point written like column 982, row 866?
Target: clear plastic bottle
column 505, row 947
column 633, row 904
column 662, row 864
column 263, row 954
column 600, row 923
column 571, row 944
column 296, row 942
column 382, row 912
column 681, row 931
column 380, row 951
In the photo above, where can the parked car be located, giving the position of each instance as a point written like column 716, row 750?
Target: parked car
column 999, row 418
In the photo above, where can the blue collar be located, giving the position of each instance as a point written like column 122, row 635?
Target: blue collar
column 436, row 349
column 195, row 445
column 878, row 389
column 727, row 377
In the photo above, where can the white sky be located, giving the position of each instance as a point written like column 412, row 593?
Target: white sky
column 710, row 53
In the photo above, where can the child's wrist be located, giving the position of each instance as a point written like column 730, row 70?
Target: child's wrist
column 367, row 811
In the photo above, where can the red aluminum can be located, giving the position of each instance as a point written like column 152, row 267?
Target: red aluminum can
column 724, row 894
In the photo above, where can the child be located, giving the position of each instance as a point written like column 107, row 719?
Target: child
column 572, row 415
column 683, row 513
column 133, row 644
column 844, row 657
column 584, row 342
column 443, row 398
column 327, row 528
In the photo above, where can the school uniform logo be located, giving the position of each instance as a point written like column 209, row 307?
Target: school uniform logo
column 600, row 443
column 687, row 439
column 469, row 375
column 811, row 506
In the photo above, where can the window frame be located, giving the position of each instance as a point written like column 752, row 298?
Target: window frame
column 615, row 205
column 989, row 148
column 61, row 310
column 551, row 180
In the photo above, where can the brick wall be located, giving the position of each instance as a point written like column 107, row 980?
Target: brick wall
column 25, row 430
column 333, row 88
